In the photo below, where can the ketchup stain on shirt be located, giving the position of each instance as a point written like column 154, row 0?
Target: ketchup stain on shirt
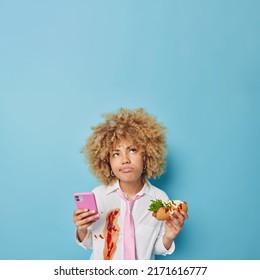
column 99, row 236
column 111, row 233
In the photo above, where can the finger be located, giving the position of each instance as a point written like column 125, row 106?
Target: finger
column 180, row 215
column 85, row 217
column 177, row 219
column 89, row 218
column 84, row 227
column 83, row 214
column 83, row 224
column 184, row 214
column 178, row 223
column 176, row 214
column 77, row 214
column 79, row 211
column 174, row 225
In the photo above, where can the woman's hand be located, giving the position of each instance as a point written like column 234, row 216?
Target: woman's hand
column 83, row 219
column 173, row 226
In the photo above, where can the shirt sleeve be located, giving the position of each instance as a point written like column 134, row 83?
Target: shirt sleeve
column 87, row 242
column 159, row 248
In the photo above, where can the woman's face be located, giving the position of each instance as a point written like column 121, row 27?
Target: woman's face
column 126, row 161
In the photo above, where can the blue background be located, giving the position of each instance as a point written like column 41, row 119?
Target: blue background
column 192, row 64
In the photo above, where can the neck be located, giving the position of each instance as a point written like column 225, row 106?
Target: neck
column 131, row 188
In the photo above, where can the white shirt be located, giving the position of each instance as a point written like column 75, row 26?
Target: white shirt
column 148, row 231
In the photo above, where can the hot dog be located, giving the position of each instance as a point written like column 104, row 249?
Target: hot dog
column 162, row 210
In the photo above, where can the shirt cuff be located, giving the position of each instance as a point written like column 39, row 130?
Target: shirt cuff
column 161, row 250
column 86, row 243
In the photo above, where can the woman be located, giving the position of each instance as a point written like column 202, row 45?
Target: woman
column 124, row 152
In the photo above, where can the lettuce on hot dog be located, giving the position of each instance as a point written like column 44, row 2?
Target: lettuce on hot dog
column 162, row 210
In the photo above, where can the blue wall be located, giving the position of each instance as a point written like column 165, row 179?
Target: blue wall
column 193, row 64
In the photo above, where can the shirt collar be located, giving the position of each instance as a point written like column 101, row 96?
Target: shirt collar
column 147, row 189
column 113, row 188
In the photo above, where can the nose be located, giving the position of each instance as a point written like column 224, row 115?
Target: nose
column 125, row 160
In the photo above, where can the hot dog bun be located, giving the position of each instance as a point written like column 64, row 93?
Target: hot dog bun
column 162, row 210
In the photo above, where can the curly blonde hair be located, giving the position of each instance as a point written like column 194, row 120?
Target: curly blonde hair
column 136, row 126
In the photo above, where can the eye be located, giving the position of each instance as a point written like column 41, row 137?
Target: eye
column 133, row 150
column 116, row 154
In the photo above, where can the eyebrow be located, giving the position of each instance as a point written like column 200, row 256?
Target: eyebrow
column 127, row 148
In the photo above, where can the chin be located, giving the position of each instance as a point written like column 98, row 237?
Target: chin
column 130, row 180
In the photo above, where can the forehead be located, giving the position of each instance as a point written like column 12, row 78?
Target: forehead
column 122, row 144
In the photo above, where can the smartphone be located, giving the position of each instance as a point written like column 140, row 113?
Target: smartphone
column 86, row 200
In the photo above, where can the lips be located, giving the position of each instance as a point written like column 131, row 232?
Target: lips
column 126, row 169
